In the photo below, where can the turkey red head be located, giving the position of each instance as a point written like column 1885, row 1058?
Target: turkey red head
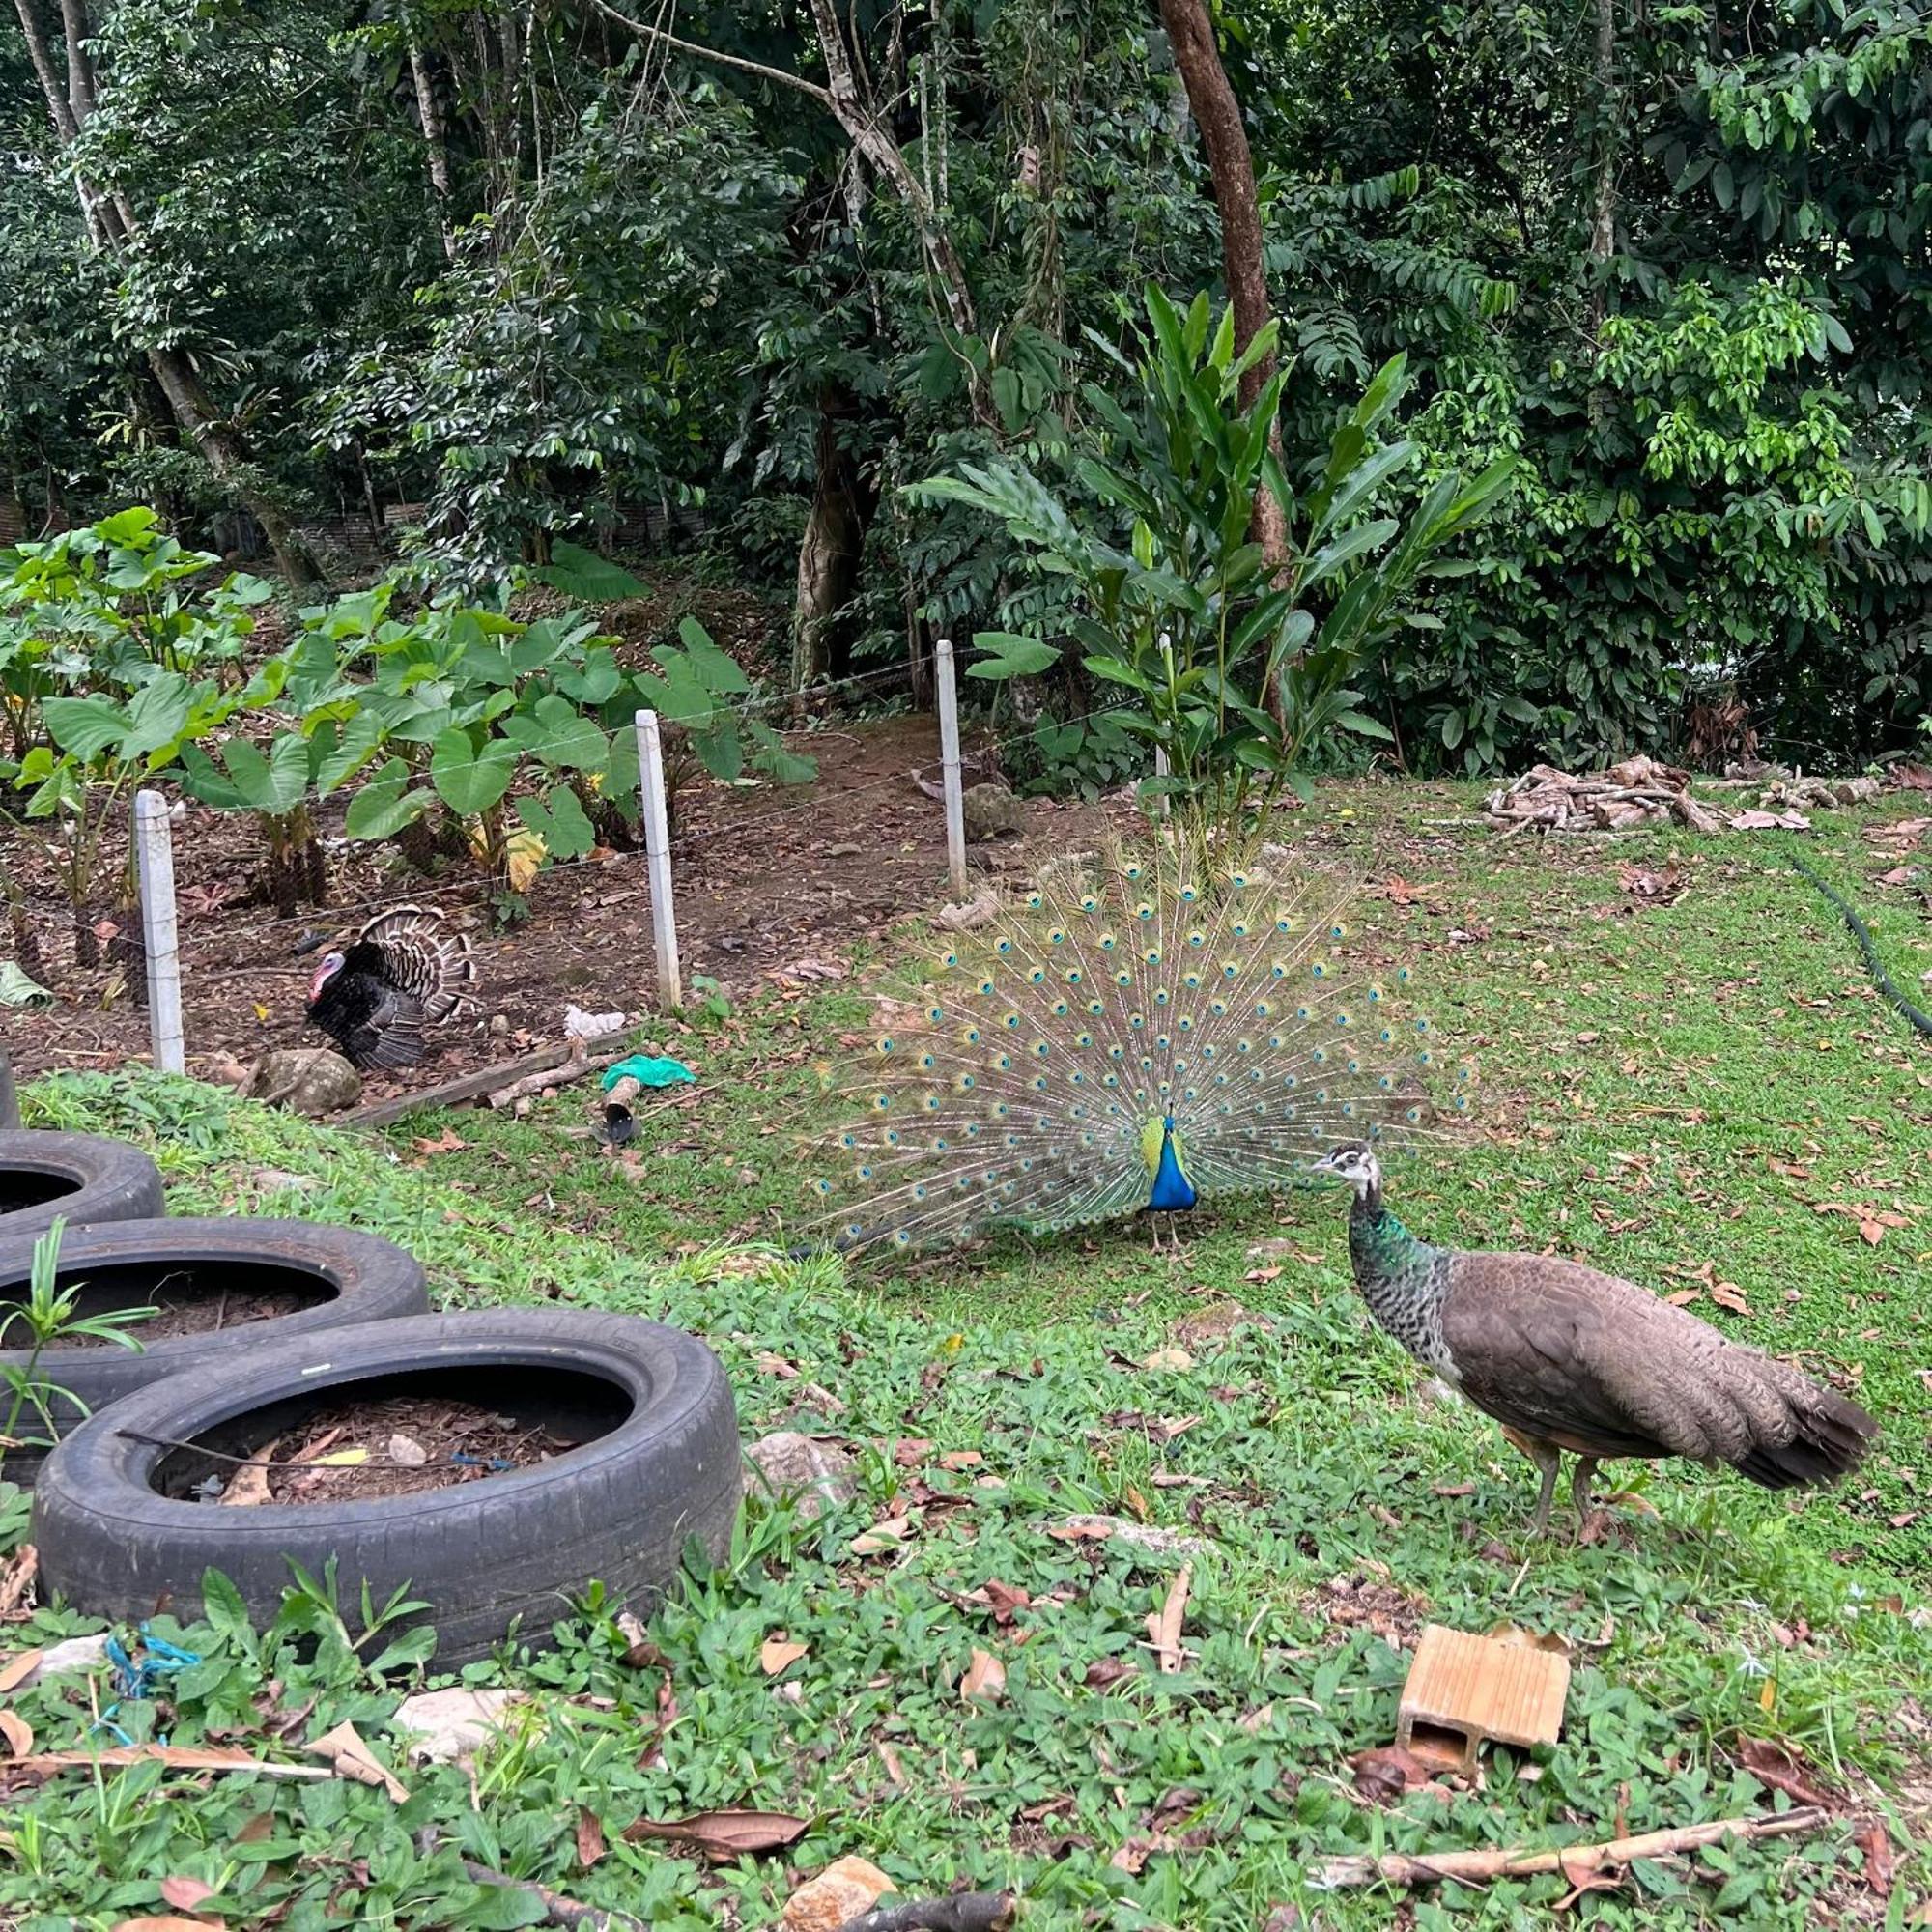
column 332, row 965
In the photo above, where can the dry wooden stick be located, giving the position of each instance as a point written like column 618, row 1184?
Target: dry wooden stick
column 963, row 1912
column 1571, row 1862
column 465, row 1087
column 576, row 1067
column 557, row 1909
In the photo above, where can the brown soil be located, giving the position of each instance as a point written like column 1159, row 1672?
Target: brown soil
column 458, row 1443
column 769, row 879
column 197, row 1315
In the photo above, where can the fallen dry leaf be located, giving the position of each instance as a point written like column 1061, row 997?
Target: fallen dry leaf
column 1385, row 1775
column 887, row 1535
column 248, row 1486
column 176, row 1757
column 186, row 1892
column 724, row 1835
column 1728, row 1295
column 961, row 1459
column 164, row 1921
column 777, row 1655
column 1105, row 1672
column 1872, row 1839
column 18, row 1578
column 1174, row 1361
column 17, row 1669
column 18, row 1733
column 589, row 1838
column 643, row 1654
column 447, row 1142
column 986, row 1679
column 1163, row 1624
column 352, row 1758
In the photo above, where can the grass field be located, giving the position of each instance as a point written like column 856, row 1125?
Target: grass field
column 1705, row 1095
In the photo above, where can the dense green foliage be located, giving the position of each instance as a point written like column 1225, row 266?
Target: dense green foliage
column 517, row 272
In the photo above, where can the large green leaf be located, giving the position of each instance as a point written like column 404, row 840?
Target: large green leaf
column 468, row 778
column 582, row 573
column 384, row 805
column 274, row 785
column 772, row 758
column 558, row 820
column 1005, row 655
column 716, row 669
column 86, row 726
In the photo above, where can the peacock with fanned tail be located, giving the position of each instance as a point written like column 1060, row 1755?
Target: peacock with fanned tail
column 1146, row 1032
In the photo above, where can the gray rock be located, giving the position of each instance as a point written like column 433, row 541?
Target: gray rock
column 793, row 1464
column 304, row 1079
column 991, row 811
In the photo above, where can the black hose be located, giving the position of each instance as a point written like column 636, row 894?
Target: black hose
column 1867, row 947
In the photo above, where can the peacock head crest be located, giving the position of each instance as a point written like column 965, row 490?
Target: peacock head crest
column 332, row 965
column 1354, row 1162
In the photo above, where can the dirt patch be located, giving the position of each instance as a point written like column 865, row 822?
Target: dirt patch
column 193, row 1311
column 398, row 1446
column 768, row 877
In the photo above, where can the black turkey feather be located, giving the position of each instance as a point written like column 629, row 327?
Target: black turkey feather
column 402, row 974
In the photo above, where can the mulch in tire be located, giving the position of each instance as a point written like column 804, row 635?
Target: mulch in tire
column 398, row 1446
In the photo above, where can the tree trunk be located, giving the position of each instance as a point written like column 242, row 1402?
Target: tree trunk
column 1232, row 167
column 436, row 144
column 1604, row 210
column 828, row 556
column 224, row 453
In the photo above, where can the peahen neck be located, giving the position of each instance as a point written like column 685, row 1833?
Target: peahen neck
column 1402, row 1279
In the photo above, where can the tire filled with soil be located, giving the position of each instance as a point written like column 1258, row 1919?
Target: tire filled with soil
column 80, row 1179
column 493, row 1464
column 220, row 1289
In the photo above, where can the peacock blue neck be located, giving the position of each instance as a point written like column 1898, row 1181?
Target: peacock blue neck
column 1402, row 1279
column 1172, row 1192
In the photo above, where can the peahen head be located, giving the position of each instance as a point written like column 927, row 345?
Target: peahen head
column 1354, row 1162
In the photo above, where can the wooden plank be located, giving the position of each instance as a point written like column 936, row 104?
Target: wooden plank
column 10, row 1099
column 465, row 1086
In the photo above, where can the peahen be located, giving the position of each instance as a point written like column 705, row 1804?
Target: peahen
column 1566, row 1358
column 1148, row 1031
column 403, row 973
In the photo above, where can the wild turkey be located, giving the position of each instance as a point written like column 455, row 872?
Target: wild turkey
column 402, row 974
column 1566, row 1358
column 1148, row 1031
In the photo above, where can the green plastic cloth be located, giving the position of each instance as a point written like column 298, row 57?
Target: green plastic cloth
column 17, row 990
column 647, row 1071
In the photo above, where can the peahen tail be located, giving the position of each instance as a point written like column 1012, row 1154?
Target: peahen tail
column 1861, row 932
column 1143, row 1029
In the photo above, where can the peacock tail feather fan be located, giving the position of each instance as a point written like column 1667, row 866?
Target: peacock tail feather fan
column 1142, row 1031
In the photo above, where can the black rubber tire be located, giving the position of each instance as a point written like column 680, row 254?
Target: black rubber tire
column 361, row 1278
column 488, row 1557
column 80, row 1179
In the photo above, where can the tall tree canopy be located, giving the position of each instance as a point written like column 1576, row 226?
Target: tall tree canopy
column 506, row 271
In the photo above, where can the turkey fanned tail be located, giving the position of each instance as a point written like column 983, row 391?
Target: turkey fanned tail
column 1602, row 1368
column 419, row 955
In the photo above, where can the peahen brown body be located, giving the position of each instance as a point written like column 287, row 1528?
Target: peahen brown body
column 1569, row 1359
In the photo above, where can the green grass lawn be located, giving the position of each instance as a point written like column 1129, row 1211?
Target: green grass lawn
column 1673, row 1093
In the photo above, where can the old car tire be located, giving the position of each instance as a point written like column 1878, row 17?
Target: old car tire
column 118, row 1537
column 350, row 1276
column 80, row 1179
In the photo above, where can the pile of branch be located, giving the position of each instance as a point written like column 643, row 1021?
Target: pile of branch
column 1639, row 791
